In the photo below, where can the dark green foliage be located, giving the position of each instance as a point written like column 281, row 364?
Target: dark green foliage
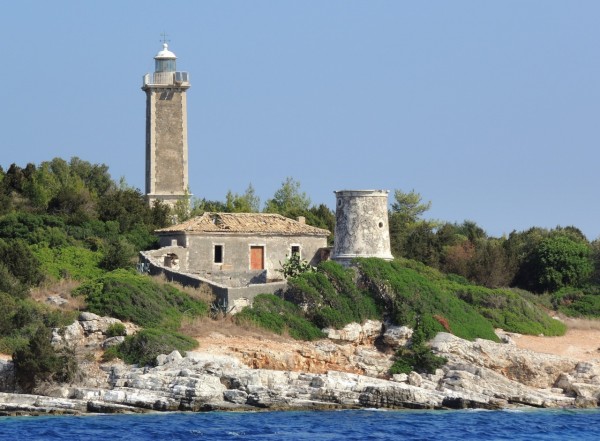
column 118, row 253
column 560, row 261
column 413, row 295
column 575, row 302
column 418, row 357
column 116, row 330
column 38, row 362
column 470, row 311
column 137, row 298
column 11, row 285
column 331, row 297
column 21, row 318
column 279, row 316
column 143, row 347
column 294, row 266
column 18, row 259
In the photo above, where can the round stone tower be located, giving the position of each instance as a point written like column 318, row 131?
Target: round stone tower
column 361, row 225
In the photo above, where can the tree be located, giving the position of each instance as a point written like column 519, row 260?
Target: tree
column 38, row 362
column 408, row 207
column 411, row 236
column 18, row 259
column 248, row 202
column 288, row 200
column 561, row 261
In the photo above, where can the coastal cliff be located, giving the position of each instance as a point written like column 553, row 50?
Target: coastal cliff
column 346, row 370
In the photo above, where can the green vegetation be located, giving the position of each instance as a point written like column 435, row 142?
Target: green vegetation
column 68, row 262
column 406, row 292
column 143, row 347
column 294, row 266
column 129, row 296
column 331, row 298
column 38, row 361
column 116, row 330
column 69, row 220
column 279, row 316
column 417, row 357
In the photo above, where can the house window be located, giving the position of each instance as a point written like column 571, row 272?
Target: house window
column 295, row 250
column 218, row 254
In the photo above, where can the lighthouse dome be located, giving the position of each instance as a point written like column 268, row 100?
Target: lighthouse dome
column 165, row 54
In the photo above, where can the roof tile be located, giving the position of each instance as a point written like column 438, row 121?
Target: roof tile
column 258, row 223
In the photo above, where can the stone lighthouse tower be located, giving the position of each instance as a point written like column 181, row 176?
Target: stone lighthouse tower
column 361, row 225
column 166, row 130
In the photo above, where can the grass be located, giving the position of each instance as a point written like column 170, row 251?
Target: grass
column 137, row 298
column 279, row 316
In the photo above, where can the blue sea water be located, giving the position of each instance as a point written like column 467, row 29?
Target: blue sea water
column 581, row 425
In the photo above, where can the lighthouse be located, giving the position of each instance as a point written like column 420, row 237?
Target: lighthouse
column 166, row 130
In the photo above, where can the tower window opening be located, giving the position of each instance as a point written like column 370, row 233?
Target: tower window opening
column 295, row 250
column 165, row 66
column 218, row 255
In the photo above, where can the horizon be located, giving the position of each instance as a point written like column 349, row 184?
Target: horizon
column 487, row 110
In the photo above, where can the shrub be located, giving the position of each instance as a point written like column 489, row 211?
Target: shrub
column 294, row 266
column 143, row 347
column 69, row 262
column 279, row 316
column 414, row 295
column 419, row 357
column 331, row 297
column 469, row 310
column 116, row 330
column 17, row 257
column 137, row 298
column 38, row 361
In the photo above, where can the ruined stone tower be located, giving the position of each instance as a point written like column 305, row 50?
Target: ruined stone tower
column 361, row 225
column 166, row 130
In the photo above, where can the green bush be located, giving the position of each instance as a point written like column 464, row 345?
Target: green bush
column 418, row 357
column 38, row 361
column 331, row 297
column 470, row 311
column 18, row 259
column 116, row 330
column 137, row 298
column 279, row 316
column 413, row 295
column 143, row 347
column 69, row 262
column 576, row 302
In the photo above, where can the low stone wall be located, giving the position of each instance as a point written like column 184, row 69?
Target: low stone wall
column 232, row 299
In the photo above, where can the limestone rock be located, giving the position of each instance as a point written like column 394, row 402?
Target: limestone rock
column 354, row 332
column 397, row 336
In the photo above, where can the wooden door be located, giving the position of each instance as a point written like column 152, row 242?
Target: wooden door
column 257, row 258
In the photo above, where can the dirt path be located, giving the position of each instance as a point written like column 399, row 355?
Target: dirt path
column 581, row 342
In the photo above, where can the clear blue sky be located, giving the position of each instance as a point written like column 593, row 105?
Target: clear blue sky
column 488, row 109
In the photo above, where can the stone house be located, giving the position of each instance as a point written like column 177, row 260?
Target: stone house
column 238, row 249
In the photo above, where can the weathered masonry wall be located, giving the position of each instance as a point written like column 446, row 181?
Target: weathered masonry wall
column 231, row 298
column 166, row 143
column 236, row 252
column 362, row 227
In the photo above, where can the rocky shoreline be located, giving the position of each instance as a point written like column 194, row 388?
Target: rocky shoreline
column 480, row 374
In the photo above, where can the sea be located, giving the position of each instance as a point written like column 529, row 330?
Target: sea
column 347, row 425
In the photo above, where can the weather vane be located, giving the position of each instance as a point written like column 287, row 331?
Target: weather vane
column 164, row 36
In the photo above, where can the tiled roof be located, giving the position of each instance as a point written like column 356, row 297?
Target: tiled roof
column 257, row 223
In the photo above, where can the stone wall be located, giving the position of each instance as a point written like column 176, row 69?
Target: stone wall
column 231, row 298
column 166, row 143
column 236, row 252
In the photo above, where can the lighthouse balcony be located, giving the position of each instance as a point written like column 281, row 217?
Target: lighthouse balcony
column 167, row 79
